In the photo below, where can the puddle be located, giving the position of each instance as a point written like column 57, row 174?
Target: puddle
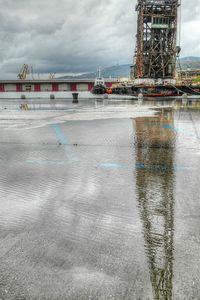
column 100, row 200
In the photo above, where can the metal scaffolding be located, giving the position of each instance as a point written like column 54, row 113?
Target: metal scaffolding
column 156, row 50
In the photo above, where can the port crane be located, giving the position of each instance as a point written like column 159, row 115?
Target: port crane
column 24, row 72
column 156, row 48
column 52, row 75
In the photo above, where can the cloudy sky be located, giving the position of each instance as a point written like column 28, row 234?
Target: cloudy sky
column 74, row 36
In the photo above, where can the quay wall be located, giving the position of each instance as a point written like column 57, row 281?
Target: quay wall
column 42, row 86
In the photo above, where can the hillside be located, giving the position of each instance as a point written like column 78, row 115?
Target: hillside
column 190, row 62
column 113, row 72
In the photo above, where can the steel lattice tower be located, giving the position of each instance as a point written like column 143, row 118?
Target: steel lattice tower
column 155, row 55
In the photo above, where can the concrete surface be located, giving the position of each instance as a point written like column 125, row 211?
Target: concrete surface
column 99, row 204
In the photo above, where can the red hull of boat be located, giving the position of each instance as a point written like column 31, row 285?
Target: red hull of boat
column 160, row 95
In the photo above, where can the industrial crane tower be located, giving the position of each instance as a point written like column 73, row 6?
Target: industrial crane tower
column 156, row 39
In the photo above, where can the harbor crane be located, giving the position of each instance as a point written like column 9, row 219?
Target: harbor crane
column 52, row 75
column 156, row 39
column 24, row 72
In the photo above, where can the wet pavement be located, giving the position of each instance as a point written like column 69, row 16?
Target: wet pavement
column 99, row 201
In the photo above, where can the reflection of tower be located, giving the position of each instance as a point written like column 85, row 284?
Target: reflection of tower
column 154, row 163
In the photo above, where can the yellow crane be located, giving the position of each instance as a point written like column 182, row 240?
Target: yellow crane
column 24, row 72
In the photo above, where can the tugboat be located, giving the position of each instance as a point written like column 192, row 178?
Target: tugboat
column 99, row 85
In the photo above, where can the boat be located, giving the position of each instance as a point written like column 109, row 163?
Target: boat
column 156, row 91
column 99, row 85
column 162, row 94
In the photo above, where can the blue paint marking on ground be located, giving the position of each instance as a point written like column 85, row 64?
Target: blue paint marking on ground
column 57, row 129
column 161, row 167
column 63, row 141
column 142, row 166
column 67, row 149
column 167, row 126
column 112, row 166
column 180, row 168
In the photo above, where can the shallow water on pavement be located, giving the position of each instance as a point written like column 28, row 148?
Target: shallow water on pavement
column 103, row 207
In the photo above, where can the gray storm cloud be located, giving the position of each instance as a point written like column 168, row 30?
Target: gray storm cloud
column 77, row 36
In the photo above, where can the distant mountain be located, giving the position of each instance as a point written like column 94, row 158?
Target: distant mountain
column 189, row 62
column 109, row 72
column 190, row 58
